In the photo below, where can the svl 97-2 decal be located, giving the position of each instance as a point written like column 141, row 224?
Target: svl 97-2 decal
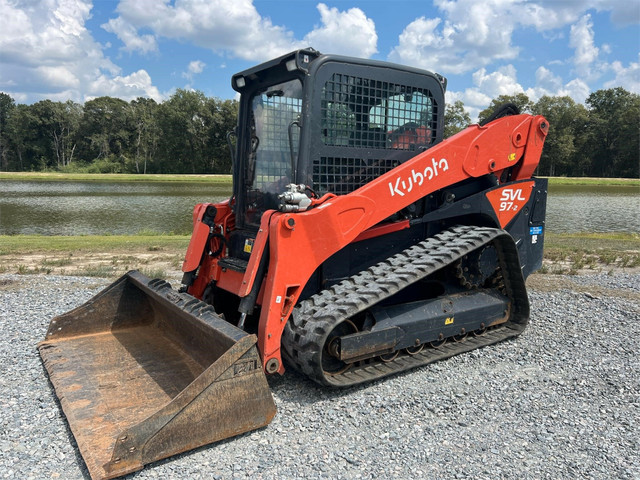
column 507, row 201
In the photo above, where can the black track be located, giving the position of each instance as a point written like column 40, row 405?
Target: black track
column 314, row 319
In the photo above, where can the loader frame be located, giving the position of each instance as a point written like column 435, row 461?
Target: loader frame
column 298, row 243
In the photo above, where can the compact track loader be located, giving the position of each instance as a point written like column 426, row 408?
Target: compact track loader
column 357, row 243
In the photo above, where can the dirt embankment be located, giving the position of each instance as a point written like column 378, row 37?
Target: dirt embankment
column 166, row 263
column 157, row 263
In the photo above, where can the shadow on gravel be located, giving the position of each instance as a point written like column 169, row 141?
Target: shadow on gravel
column 294, row 387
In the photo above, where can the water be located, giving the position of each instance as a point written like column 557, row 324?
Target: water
column 93, row 208
column 579, row 208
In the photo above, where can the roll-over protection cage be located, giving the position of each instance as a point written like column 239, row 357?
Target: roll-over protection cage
column 352, row 121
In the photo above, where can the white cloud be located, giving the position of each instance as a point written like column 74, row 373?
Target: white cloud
column 589, row 64
column 547, row 81
column 486, row 87
column 467, row 36
column 236, row 28
column 470, row 36
column 501, row 82
column 489, row 85
column 128, row 87
column 57, row 77
column 44, row 34
column 581, row 39
column 129, row 36
column 553, row 14
column 346, row 33
column 623, row 12
column 474, row 101
column 194, row 68
column 220, row 25
column 551, row 85
column 627, row 78
column 548, row 15
column 47, row 52
column 576, row 89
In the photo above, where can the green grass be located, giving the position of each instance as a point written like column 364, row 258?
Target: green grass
column 114, row 177
column 558, row 181
column 594, row 242
column 92, row 255
column 574, row 252
column 57, row 262
column 103, row 271
column 30, row 244
column 226, row 179
column 151, row 241
column 24, row 270
column 154, row 272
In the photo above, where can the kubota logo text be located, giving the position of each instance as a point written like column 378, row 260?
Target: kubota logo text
column 402, row 186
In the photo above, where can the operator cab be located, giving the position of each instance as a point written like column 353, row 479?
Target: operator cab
column 329, row 123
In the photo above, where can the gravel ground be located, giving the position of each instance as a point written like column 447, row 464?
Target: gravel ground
column 561, row 401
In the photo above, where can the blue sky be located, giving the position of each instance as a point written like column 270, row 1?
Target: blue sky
column 78, row 49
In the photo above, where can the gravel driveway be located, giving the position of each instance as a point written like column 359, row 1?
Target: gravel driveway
column 560, row 401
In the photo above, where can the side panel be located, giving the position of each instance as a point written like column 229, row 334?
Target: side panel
column 509, row 200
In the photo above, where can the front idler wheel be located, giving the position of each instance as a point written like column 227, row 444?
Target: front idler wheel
column 331, row 363
column 474, row 269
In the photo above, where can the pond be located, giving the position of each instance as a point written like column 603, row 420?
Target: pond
column 580, row 208
column 97, row 208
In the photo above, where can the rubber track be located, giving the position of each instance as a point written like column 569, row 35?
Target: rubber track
column 313, row 319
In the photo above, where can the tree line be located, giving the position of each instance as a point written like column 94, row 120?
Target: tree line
column 184, row 134
column 187, row 133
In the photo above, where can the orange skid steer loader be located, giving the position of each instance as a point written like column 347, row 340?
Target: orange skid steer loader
column 357, row 243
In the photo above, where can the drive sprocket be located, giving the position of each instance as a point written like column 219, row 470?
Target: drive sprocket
column 474, row 269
